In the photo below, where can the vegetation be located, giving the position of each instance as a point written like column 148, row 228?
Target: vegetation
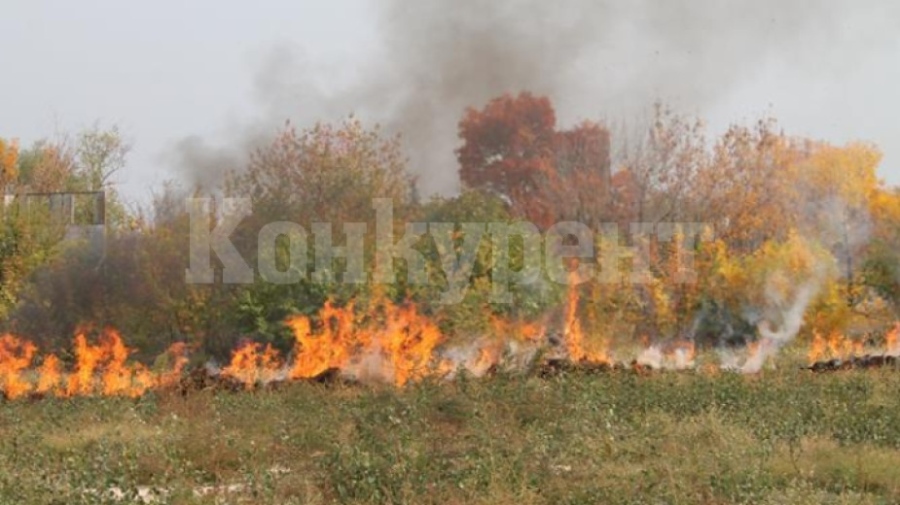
column 784, row 218
column 774, row 206
column 784, row 436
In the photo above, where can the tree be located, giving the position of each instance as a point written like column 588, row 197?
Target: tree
column 660, row 167
column 837, row 186
column 511, row 148
column 745, row 188
column 46, row 167
column 101, row 153
column 323, row 174
column 580, row 187
column 326, row 173
column 9, row 155
column 508, row 149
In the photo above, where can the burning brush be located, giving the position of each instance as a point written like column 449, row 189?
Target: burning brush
column 392, row 343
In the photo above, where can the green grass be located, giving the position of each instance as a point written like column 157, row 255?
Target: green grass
column 781, row 437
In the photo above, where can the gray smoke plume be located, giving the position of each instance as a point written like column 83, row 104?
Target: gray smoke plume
column 596, row 59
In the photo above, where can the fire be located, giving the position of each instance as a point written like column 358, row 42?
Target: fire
column 892, row 341
column 676, row 356
column 107, row 359
column 573, row 334
column 177, row 353
column 15, row 357
column 50, row 375
column 682, row 355
column 396, row 343
column 409, row 340
column 507, row 329
column 252, row 364
column 836, row 346
column 332, row 347
column 99, row 369
column 400, row 337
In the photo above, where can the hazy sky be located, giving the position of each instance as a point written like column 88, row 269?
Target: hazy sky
column 167, row 70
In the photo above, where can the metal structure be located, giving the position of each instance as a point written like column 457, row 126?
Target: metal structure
column 83, row 213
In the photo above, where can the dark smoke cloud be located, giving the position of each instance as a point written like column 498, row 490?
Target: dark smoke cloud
column 595, row 58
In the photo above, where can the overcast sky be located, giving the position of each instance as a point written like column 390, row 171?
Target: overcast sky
column 165, row 70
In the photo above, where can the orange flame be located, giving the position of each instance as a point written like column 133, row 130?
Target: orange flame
column 574, row 335
column 108, row 358
column 404, row 338
column 49, row 375
column 15, row 356
column 331, row 348
column 892, row 340
column 178, row 353
column 251, row 364
column 835, row 346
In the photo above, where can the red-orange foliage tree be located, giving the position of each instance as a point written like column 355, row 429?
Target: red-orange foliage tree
column 579, row 190
column 511, row 147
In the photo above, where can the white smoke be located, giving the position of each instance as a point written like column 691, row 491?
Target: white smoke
column 773, row 338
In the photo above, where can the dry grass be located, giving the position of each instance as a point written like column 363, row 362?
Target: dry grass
column 782, row 437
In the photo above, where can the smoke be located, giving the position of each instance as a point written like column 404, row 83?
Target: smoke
column 775, row 334
column 596, row 59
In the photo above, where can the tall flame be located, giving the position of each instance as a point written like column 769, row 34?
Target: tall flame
column 574, row 334
column 15, row 357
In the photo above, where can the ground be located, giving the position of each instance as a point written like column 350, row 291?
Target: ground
column 783, row 436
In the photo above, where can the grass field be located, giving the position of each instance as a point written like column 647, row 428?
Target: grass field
column 784, row 436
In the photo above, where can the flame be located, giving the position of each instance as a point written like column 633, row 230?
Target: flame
column 403, row 339
column 394, row 342
column 682, row 355
column 177, row 352
column 49, row 375
column 817, row 348
column 573, row 334
column 100, row 368
column 676, row 356
column 509, row 329
column 331, row 348
column 15, row 357
column 410, row 340
column 836, row 346
column 251, row 364
column 892, row 341
column 108, row 359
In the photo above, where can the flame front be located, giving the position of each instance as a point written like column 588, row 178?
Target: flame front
column 395, row 343
column 403, row 340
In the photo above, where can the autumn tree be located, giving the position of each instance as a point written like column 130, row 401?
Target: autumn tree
column 579, row 189
column 508, row 149
column 512, row 148
column 9, row 155
column 659, row 168
column 328, row 173
column 324, row 173
column 834, row 187
column 881, row 263
column 745, row 188
column 46, row 167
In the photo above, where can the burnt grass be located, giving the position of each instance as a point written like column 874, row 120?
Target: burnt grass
column 573, row 436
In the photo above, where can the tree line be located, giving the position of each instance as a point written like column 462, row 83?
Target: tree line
column 780, row 211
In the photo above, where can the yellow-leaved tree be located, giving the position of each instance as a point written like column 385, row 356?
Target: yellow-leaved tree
column 9, row 156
